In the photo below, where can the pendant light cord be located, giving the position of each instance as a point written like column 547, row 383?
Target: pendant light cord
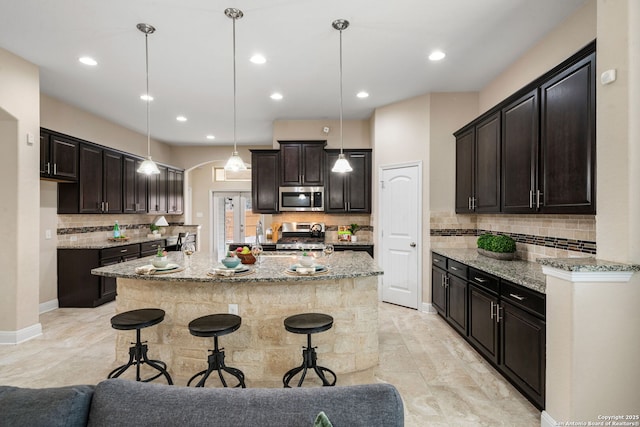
column 341, row 139
column 235, row 149
column 146, row 51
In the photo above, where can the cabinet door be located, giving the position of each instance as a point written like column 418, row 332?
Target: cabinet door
column 483, row 327
column 157, row 187
column 523, row 350
column 568, row 140
column 178, row 193
column 129, row 185
column 91, row 196
column 457, row 303
column 438, row 292
column 44, row 154
column 487, row 168
column 290, row 164
column 112, row 181
column 519, row 153
column 141, row 189
column 313, row 164
column 335, row 186
column 64, row 158
column 464, row 170
column 108, row 284
column 358, row 182
column 264, row 180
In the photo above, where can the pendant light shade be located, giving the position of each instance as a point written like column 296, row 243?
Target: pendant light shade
column 148, row 166
column 234, row 163
column 342, row 164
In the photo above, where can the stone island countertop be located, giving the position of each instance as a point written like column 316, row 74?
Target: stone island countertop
column 261, row 347
column 272, row 268
column 586, row 265
column 524, row 273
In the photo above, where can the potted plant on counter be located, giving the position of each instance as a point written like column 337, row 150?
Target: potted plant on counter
column 353, row 228
column 497, row 246
column 160, row 260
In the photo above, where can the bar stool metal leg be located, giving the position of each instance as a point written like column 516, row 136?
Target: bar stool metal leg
column 216, row 363
column 137, row 357
column 309, row 360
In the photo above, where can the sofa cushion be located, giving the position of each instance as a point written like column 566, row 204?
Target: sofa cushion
column 51, row 407
column 119, row 402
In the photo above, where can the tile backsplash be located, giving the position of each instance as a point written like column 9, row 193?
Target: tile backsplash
column 537, row 236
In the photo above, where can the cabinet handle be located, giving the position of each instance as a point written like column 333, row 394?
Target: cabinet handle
column 518, row 297
column 436, row 260
column 446, row 282
column 122, row 251
column 538, row 195
column 530, row 199
column 442, row 281
column 498, row 308
column 454, row 268
column 107, row 206
column 473, row 203
column 479, row 280
column 48, row 168
column 492, row 304
column 469, row 202
column 55, row 169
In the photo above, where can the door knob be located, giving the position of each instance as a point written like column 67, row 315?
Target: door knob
column 412, row 244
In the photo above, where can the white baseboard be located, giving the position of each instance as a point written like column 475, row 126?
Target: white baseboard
column 427, row 307
column 546, row 420
column 49, row 306
column 25, row 334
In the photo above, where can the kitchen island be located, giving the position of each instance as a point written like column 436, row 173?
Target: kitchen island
column 265, row 296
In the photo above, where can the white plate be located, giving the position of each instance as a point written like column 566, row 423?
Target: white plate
column 230, row 271
column 299, row 268
column 239, row 267
column 168, row 267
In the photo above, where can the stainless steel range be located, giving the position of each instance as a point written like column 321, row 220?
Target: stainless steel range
column 307, row 236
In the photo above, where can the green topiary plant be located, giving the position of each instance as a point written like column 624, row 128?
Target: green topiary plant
column 497, row 243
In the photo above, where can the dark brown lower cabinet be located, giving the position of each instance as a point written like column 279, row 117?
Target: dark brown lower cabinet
column 483, row 327
column 523, row 351
column 457, row 303
column 503, row 321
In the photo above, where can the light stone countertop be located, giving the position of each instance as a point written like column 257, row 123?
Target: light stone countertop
column 586, row 264
column 109, row 244
column 524, row 273
column 342, row 265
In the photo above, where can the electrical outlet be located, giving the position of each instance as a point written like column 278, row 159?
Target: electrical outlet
column 233, row 309
column 47, row 234
column 74, row 238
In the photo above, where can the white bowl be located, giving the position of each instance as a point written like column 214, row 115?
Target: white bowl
column 159, row 261
column 306, row 261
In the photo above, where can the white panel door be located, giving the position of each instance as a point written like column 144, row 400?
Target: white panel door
column 400, row 217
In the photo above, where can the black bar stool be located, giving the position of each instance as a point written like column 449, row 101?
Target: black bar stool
column 308, row 323
column 138, row 319
column 215, row 325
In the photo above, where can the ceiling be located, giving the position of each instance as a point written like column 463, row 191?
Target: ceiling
column 385, row 53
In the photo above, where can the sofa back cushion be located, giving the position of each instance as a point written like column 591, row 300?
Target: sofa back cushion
column 122, row 402
column 50, row 407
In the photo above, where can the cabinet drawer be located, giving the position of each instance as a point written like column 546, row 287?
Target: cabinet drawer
column 484, row 280
column 118, row 251
column 457, row 268
column 439, row 261
column 152, row 246
column 527, row 299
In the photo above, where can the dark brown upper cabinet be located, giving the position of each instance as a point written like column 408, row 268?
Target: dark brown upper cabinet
column 58, row 157
column 478, row 167
column 265, row 180
column 175, row 199
column 567, row 140
column 302, row 163
column 157, row 191
column 99, row 186
column 534, row 152
column 134, row 186
column 348, row 192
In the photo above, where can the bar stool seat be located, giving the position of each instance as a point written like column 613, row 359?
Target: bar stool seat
column 215, row 325
column 139, row 319
column 308, row 324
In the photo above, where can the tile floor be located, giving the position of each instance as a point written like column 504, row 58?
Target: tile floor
column 442, row 380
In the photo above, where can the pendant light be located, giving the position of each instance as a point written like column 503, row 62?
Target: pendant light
column 234, row 163
column 148, row 166
column 342, row 164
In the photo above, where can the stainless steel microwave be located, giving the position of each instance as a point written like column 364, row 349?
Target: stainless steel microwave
column 301, row 199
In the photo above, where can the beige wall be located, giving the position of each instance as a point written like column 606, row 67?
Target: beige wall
column 19, row 191
column 563, row 41
column 355, row 133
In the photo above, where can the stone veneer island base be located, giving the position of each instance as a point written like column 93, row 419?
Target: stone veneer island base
column 261, row 348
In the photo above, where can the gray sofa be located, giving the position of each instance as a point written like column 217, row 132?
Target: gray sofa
column 119, row 402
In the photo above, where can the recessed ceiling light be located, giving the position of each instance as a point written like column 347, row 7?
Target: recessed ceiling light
column 211, row 137
column 87, row 60
column 436, row 55
column 258, row 59
column 362, row 94
column 146, row 97
column 276, row 96
column 181, row 118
